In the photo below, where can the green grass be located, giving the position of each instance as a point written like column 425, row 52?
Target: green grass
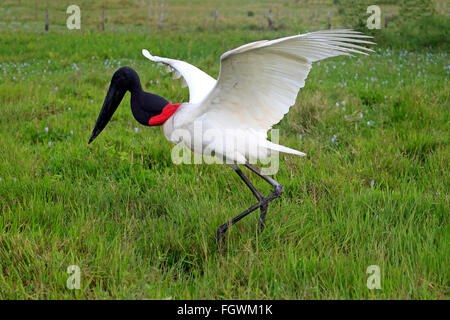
column 182, row 15
column 141, row 227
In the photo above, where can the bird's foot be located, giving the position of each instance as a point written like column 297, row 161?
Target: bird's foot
column 262, row 218
column 221, row 231
column 261, row 226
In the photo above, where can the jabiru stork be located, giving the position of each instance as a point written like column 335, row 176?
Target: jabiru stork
column 257, row 84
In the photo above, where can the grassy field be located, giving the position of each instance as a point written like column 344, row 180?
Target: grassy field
column 373, row 189
column 180, row 15
column 142, row 15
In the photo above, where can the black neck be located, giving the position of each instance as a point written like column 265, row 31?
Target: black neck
column 145, row 105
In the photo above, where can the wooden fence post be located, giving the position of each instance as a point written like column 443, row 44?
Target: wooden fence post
column 103, row 19
column 386, row 19
column 46, row 20
column 329, row 20
column 269, row 18
column 161, row 17
column 35, row 10
column 215, row 16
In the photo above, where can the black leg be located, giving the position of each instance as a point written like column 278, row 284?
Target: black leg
column 278, row 189
column 258, row 196
column 263, row 203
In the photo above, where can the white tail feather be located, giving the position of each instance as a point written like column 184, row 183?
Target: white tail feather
column 280, row 148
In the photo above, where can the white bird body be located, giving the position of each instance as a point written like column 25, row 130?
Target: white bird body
column 207, row 136
column 257, row 84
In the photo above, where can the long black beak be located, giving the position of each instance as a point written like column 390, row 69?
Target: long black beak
column 112, row 100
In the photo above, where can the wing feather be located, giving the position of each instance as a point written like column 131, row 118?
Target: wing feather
column 259, row 82
column 199, row 82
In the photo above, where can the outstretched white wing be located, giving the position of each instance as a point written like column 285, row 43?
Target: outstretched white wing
column 259, row 82
column 199, row 82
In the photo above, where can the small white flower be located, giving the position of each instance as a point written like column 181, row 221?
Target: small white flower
column 71, row 132
column 14, row 179
column 368, row 123
column 49, row 143
column 345, row 116
column 337, row 104
column 372, row 182
column 360, row 115
column 136, row 130
column 69, row 108
column 46, row 129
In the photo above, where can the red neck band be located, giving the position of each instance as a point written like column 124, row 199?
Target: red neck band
column 166, row 113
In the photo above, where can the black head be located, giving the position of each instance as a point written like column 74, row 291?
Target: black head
column 144, row 105
column 124, row 79
column 127, row 78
